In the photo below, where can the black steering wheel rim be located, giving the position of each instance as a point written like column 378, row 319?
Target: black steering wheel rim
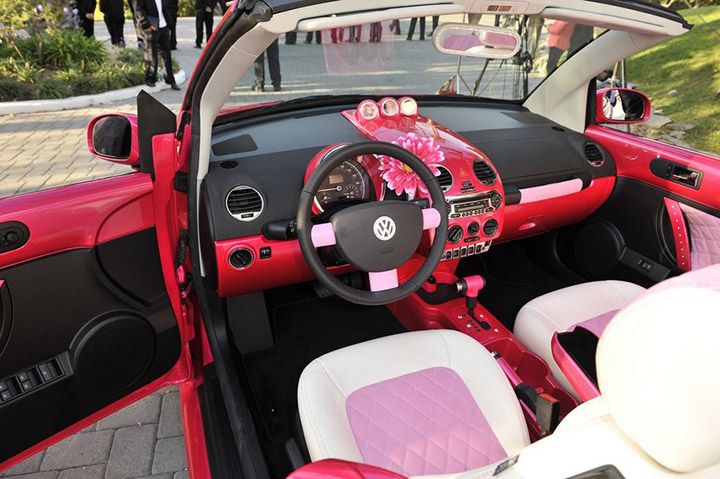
column 304, row 223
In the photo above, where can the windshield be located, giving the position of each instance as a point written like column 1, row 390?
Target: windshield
column 398, row 58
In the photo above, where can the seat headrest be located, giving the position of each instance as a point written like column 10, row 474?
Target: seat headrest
column 659, row 372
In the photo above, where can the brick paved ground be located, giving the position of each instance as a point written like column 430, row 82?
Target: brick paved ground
column 144, row 440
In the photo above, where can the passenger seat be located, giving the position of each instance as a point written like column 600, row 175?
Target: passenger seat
column 590, row 305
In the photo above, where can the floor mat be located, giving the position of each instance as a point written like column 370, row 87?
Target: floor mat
column 512, row 279
column 304, row 330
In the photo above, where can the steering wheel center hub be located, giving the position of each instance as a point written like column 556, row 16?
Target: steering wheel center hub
column 378, row 236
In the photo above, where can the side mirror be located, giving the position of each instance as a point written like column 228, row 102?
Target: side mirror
column 114, row 137
column 479, row 41
column 621, row 106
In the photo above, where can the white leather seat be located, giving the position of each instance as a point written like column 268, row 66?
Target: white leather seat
column 659, row 376
column 419, row 403
column 590, row 303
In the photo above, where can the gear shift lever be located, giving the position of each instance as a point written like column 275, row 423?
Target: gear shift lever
column 470, row 286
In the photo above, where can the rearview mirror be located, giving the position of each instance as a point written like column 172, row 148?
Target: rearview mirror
column 621, row 106
column 476, row 41
column 114, row 138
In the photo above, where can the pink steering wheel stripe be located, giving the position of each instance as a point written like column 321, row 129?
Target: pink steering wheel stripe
column 383, row 280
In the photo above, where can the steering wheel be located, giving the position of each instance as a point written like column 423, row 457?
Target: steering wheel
column 376, row 237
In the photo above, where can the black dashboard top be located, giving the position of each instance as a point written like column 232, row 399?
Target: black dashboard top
column 271, row 155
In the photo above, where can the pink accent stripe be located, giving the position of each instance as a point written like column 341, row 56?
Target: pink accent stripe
column 2, row 283
column 426, row 422
column 584, row 387
column 431, row 218
column 553, row 190
column 679, row 229
column 597, row 324
column 323, row 235
column 383, row 280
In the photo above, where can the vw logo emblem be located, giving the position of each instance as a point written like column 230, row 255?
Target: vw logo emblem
column 384, row 228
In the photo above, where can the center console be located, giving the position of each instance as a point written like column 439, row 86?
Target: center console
column 471, row 183
column 525, row 370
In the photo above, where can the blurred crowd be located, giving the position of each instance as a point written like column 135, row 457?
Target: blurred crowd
column 155, row 25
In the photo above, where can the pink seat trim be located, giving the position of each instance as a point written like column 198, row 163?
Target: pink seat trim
column 597, row 324
column 426, row 422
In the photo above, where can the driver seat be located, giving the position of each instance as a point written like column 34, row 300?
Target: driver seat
column 419, row 403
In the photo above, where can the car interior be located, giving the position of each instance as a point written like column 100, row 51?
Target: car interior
column 349, row 338
column 406, row 284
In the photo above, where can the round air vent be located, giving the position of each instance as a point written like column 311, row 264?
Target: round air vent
column 445, row 179
column 455, row 234
column 245, row 203
column 593, row 154
column 241, row 258
column 490, row 227
column 484, row 172
column 228, row 164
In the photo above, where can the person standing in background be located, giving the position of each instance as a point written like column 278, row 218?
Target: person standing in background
column 375, row 32
column 291, row 38
column 411, row 29
column 309, row 37
column 203, row 16
column 172, row 8
column 138, row 31
column 152, row 16
column 395, row 27
column 435, row 20
column 114, row 17
column 581, row 36
column 273, row 56
column 558, row 42
column 86, row 14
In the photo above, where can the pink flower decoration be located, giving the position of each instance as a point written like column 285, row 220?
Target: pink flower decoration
column 400, row 177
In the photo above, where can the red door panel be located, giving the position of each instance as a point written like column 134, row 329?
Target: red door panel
column 634, row 154
column 85, row 296
column 687, row 184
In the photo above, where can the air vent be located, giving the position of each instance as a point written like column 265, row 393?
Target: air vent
column 445, row 179
column 484, row 172
column 594, row 155
column 558, row 128
column 228, row 164
column 244, row 203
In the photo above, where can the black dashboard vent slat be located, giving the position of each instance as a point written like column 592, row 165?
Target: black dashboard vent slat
column 228, row 164
column 445, row 178
column 593, row 154
column 244, row 203
column 484, row 172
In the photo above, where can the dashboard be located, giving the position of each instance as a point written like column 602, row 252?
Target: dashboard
column 506, row 174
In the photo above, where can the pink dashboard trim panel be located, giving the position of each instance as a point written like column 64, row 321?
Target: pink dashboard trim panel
column 552, row 190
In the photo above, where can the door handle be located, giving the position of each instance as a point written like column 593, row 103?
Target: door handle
column 676, row 173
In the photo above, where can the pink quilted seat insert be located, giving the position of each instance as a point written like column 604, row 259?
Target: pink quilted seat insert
column 426, row 422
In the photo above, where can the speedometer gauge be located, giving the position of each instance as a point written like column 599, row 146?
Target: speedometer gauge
column 349, row 181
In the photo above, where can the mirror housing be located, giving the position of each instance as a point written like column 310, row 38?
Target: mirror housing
column 621, row 106
column 480, row 41
column 114, row 137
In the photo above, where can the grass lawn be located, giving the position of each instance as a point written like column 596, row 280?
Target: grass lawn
column 689, row 64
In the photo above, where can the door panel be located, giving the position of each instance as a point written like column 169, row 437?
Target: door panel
column 634, row 156
column 89, row 323
column 654, row 215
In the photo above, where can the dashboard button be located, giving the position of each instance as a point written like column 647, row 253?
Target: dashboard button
column 265, row 252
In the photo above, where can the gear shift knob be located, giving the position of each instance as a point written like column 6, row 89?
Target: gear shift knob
column 470, row 286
